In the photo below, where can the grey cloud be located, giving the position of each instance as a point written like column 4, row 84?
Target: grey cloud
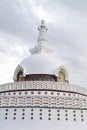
column 77, row 5
column 16, row 19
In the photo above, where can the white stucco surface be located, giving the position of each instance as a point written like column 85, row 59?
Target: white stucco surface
column 44, row 124
column 41, row 64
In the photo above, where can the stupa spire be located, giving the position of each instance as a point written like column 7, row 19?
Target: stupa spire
column 42, row 39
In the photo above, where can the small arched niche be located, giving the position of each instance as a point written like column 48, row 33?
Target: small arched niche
column 62, row 75
column 19, row 74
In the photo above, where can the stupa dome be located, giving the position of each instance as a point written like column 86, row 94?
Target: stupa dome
column 41, row 64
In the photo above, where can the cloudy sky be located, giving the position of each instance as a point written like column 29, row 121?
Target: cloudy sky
column 67, row 32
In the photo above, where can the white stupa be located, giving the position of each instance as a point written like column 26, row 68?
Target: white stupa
column 42, row 59
column 41, row 97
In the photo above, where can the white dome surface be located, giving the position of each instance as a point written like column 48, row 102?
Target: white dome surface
column 41, row 64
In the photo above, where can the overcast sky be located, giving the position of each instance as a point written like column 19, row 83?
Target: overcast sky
column 67, row 34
